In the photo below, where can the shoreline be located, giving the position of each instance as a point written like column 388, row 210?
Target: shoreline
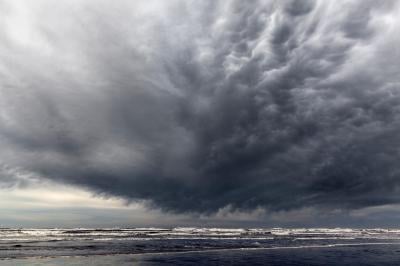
column 207, row 251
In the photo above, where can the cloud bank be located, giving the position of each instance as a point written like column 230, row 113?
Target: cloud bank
column 194, row 106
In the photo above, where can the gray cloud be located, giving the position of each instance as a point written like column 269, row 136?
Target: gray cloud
column 198, row 106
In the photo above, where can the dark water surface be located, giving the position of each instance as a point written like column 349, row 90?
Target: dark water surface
column 199, row 246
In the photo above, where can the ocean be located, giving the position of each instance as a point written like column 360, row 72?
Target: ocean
column 199, row 246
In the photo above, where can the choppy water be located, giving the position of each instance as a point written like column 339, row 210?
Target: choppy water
column 59, row 243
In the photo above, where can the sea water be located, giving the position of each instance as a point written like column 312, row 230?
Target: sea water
column 199, row 246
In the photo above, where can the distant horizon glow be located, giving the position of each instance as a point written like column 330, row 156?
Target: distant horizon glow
column 52, row 205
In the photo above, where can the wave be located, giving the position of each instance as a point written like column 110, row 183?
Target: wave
column 101, row 234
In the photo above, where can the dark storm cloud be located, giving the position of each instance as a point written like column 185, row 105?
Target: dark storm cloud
column 196, row 106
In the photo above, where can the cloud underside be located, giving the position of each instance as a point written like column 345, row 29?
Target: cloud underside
column 199, row 105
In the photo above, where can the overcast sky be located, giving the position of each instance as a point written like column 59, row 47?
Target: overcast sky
column 236, row 113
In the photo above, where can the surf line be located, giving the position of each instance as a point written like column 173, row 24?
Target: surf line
column 270, row 248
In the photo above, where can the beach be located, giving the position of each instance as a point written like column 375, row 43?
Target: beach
column 199, row 246
column 343, row 255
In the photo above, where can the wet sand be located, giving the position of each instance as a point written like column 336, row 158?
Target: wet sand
column 341, row 255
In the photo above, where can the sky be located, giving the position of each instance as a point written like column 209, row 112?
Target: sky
column 206, row 113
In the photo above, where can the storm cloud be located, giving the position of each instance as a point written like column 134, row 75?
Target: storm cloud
column 194, row 106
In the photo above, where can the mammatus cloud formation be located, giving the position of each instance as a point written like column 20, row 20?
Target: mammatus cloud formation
column 199, row 105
